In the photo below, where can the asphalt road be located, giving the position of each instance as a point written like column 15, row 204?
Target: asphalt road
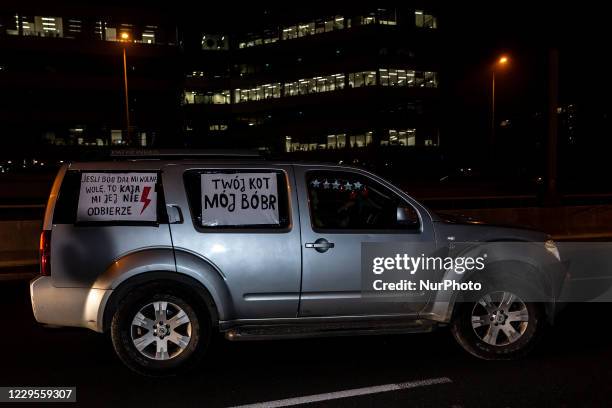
column 571, row 367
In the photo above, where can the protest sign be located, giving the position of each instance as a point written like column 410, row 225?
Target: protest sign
column 239, row 199
column 117, row 197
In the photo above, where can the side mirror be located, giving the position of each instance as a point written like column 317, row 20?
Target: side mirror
column 407, row 216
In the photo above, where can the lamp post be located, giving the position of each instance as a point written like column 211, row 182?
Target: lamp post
column 125, row 37
column 501, row 62
column 552, row 195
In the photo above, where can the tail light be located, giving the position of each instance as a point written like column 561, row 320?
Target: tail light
column 45, row 253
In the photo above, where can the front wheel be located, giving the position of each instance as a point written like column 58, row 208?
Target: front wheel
column 160, row 331
column 500, row 326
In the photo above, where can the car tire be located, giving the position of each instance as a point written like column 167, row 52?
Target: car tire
column 160, row 331
column 492, row 330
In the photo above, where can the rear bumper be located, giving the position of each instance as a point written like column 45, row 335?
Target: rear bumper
column 74, row 307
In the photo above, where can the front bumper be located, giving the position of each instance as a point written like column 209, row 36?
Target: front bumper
column 74, row 307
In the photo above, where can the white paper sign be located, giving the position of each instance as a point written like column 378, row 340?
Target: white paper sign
column 239, row 199
column 117, row 197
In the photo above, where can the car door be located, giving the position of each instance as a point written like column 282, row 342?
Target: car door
column 340, row 209
column 255, row 248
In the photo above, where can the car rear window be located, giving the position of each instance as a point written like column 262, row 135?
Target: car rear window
column 110, row 198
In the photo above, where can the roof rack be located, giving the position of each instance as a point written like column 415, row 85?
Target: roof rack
column 184, row 153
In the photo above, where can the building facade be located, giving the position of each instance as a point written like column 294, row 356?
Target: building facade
column 325, row 79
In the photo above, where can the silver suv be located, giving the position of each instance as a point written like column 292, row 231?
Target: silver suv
column 165, row 253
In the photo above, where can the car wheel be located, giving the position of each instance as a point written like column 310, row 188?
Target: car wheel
column 159, row 331
column 499, row 326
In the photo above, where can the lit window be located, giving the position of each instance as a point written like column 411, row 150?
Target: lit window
column 332, row 142
column 222, row 97
column 306, row 29
column 384, row 76
column 338, row 23
column 306, row 86
column 291, row 89
column 287, row 143
column 12, row 27
column 404, row 137
column 430, row 79
column 217, row 126
column 266, row 91
column 319, row 27
column 360, row 140
column 189, row 97
column 401, row 77
column 425, row 20
column 410, row 78
column 116, row 137
column 369, row 19
column 148, row 35
column 419, row 79
column 74, row 28
column 195, row 74
column 302, row 29
column 364, row 78
column 98, row 31
column 110, row 34
column 289, row 33
column 219, row 97
column 335, row 141
column 39, row 26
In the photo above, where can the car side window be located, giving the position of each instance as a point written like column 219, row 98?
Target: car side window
column 351, row 201
column 238, row 199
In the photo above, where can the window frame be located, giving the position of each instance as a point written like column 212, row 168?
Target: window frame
column 388, row 231
column 66, row 205
column 194, row 201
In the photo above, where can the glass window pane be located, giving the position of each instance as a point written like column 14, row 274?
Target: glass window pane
column 351, row 201
column 384, row 77
column 370, row 79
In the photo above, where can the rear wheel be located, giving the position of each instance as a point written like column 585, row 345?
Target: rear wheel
column 499, row 326
column 160, row 331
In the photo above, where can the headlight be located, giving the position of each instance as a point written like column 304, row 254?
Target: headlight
column 551, row 247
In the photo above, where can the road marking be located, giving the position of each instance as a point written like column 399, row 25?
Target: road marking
column 347, row 393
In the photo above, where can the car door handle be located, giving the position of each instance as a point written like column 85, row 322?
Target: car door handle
column 320, row 245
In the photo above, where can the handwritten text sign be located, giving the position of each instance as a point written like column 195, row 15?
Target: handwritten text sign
column 239, row 199
column 117, row 197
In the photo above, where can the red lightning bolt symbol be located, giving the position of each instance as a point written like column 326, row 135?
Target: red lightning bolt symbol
column 145, row 198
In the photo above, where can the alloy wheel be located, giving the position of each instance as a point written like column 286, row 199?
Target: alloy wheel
column 161, row 330
column 500, row 318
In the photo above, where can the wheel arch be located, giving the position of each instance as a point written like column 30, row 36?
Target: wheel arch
column 442, row 306
column 180, row 269
column 168, row 279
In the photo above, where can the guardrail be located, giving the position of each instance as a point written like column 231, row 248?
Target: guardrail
column 19, row 212
column 20, row 224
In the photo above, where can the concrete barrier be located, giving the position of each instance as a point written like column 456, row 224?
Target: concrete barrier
column 575, row 222
column 19, row 242
column 19, row 239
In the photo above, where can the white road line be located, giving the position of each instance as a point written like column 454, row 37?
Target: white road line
column 347, row 393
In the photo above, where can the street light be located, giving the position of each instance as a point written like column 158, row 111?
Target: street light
column 125, row 37
column 500, row 63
